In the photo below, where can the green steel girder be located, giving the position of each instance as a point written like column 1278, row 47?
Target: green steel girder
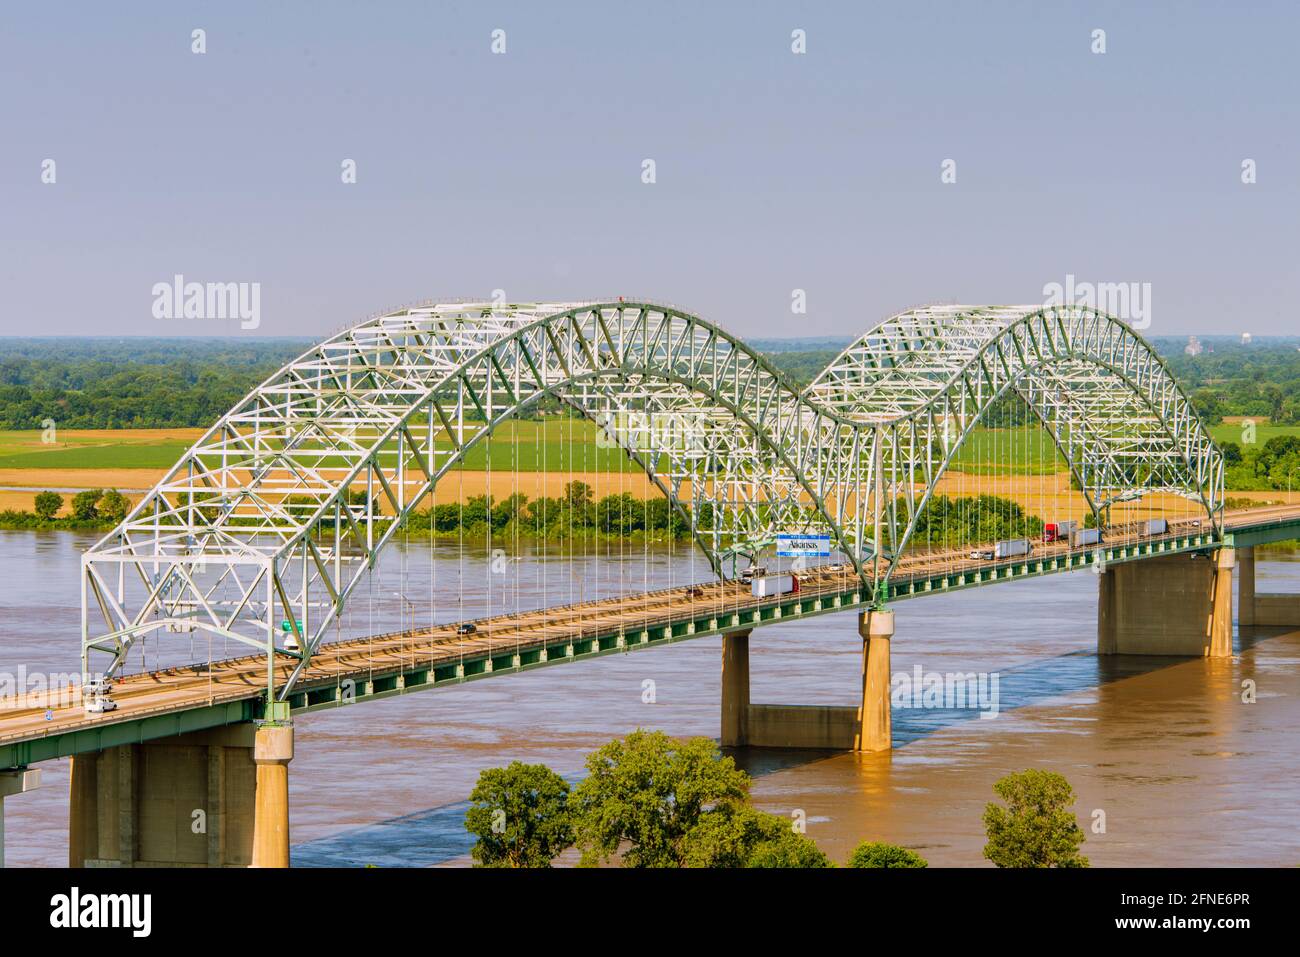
column 392, row 681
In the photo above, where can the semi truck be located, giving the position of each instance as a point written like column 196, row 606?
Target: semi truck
column 1156, row 526
column 1009, row 548
column 1058, row 531
column 768, row 586
column 1085, row 536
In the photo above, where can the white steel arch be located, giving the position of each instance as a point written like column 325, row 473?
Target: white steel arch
column 928, row 376
column 277, row 512
column 279, row 509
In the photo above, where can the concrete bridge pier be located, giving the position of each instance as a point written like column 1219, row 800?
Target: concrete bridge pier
column 209, row 799
column 1267, row 609
column 862, row 727
column 272, row 752
column 1246, row 586
column 1177, row 605
column 875, row 729
column 14, row 781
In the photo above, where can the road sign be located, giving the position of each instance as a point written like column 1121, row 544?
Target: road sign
column 795, row 545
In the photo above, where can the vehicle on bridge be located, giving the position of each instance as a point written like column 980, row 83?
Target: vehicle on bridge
column 95, row 694
column 1009, row 548
column 770, row 585
column 1085, row 536
column 1058, row 531
column 1156, row 526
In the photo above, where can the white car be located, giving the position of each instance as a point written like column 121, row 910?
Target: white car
column 100, row 704
column 97, row 685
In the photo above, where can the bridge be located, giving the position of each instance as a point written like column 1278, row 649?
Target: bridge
column 270, row 523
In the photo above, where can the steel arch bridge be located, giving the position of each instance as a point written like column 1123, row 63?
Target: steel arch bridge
column 282, row 507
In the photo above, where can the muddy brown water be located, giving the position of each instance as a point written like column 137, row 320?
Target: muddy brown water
column 1162, row 751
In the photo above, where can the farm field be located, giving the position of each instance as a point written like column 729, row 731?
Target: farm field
column 551, row 445
column 548, row 446
column 132, row 460
column 1232, row 432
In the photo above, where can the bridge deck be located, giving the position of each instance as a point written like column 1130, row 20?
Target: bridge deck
column 157, row 704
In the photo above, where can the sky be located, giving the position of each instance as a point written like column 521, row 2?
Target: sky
column 524, row 171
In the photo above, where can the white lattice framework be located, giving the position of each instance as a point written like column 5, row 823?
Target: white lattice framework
column 281, row 508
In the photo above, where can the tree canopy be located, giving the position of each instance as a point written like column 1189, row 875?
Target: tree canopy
column 1037, row 827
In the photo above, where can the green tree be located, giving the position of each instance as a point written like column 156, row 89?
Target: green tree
column 650, row 791
column 733, row 834
column 113, row 506
column 1037, row 827
column 879, row 854
column 520, row 815
column 47, row 504
column 85, row 504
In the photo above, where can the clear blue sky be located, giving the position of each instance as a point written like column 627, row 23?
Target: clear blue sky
column 523, row 171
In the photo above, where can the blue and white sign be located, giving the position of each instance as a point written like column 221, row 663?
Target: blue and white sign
column 790, row 545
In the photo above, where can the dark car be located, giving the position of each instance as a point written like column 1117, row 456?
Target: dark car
column 468, row 628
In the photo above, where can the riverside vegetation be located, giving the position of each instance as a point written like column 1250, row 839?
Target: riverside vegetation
column 648, row 800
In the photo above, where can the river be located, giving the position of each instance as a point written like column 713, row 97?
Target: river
column 1163, row 752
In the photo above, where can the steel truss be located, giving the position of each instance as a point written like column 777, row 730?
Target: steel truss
column 281, row 508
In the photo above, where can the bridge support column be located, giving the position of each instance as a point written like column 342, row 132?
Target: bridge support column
column 875, row 728
column 186, row 801
column 1221, row 609
column 14, row 781
column 820, row 727
column 1177, row 605
column 735, row 689
column 1246, row 586
column 272, row 751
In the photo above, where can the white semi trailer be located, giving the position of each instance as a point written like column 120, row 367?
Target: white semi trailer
column 1009, row 548
column 770, row 585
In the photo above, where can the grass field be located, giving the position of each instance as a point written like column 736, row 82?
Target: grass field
column 1232, row 432
column 551, row 445
column 1020, row 451
column 96, row 448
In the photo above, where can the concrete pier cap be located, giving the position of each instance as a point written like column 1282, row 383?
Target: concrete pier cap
column 273, row 743
column 876, row 623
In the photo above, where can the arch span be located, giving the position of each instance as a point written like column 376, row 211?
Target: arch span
column 929, row 376
column 278, row 511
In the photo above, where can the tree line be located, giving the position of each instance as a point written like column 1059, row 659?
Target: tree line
column 91, row 510
column 182, row 382
column 649, row 800
column 1273, row 465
